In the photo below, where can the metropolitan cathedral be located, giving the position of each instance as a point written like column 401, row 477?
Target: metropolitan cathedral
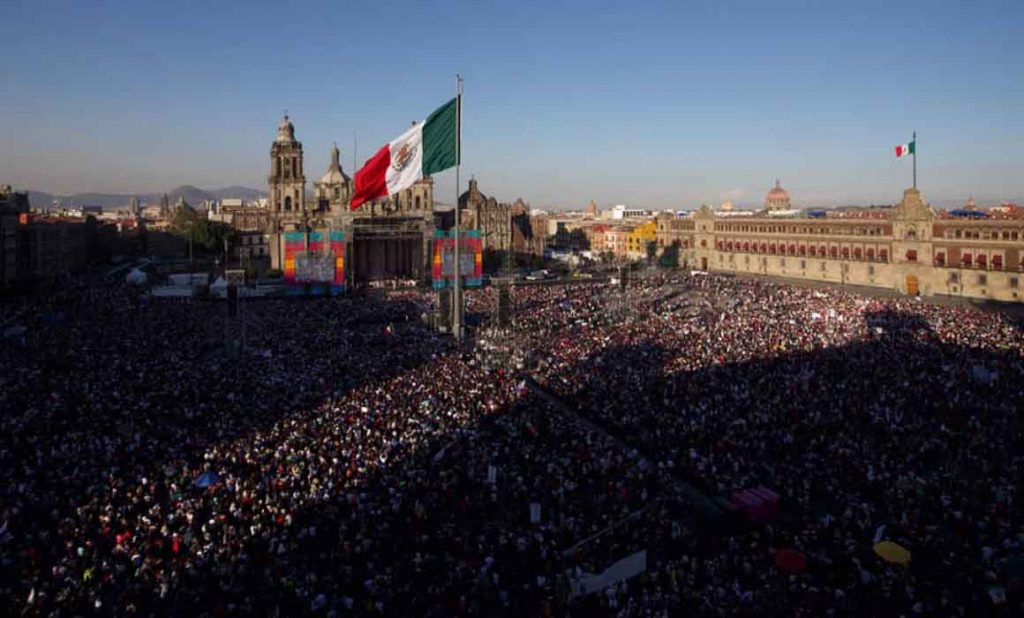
column 385, row 239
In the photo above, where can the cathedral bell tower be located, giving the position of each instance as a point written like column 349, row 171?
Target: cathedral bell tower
column 287, row 182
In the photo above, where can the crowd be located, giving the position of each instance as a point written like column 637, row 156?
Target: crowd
column 874, row 419
column 350, row 461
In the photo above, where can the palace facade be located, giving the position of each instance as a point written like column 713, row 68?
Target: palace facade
column 909, row 248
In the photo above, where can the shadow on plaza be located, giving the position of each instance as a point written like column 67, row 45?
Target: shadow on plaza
column 789, row 420
column 788, row 388
column 442, row 513
column 292, row 365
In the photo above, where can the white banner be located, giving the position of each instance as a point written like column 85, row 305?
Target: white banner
column 624, row 569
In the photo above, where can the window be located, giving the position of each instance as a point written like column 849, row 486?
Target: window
column 982, row 279
column 871, row 270
column 1014, row 282
column 911, row 255
column 803, row 264
column 954, row 277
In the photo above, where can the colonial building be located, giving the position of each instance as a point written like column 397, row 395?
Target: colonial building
column 909, row 249
column 14, row 209
column 492, row 218
column 384, row 239
column 528, row 230
column 508, row 230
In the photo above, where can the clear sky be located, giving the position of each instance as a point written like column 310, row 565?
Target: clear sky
column 654, row 104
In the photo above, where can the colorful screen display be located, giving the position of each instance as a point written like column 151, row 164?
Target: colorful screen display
column 314, row 263
column 470, row 258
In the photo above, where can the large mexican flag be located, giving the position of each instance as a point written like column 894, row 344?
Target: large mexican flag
column 428, row 147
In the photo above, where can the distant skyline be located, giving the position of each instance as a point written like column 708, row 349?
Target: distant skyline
column 654, row 104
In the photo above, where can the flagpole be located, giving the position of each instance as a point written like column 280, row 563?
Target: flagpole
column 914, row 142
column 457, row 290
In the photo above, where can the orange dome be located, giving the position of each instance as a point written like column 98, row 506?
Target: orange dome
column 777, row 198
column 777, row 191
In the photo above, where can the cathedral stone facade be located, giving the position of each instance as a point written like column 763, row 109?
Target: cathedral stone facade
column 486, row 214
column 385, row 239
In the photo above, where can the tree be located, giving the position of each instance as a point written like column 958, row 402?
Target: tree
column 652, row 251
column 183, row 220
column 211, row 235
column 208, row 236
column 670, row 256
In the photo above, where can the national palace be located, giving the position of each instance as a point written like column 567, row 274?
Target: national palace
column 908, row 248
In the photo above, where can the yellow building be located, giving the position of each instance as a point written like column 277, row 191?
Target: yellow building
column 639, row 238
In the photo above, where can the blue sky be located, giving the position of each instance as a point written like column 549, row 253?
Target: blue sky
column 657, row 104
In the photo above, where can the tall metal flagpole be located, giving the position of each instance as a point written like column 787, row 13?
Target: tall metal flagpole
column 915, row 158
column 457, row 290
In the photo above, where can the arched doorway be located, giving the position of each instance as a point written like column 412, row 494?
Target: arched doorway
column 704, row 263
column 288, row 202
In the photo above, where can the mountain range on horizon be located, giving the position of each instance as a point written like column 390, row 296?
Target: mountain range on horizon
column 109, row 201
column 195, row 196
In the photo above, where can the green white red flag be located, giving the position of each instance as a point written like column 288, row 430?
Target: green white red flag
column 904, row 149
column 427, row 148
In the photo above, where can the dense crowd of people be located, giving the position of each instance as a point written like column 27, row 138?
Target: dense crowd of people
column 874, row 420
column 347, row 460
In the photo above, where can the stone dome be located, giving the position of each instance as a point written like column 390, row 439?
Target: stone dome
column 334, row 174
column 777, row 197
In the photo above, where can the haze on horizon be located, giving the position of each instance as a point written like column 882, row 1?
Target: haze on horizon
column 660, row 105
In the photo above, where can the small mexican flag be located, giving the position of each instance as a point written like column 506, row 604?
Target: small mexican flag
column 428, row 147
column 904, row 149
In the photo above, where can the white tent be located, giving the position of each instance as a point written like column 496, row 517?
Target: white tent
column 190, row 279
column 219, row 287
column 137, row 277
